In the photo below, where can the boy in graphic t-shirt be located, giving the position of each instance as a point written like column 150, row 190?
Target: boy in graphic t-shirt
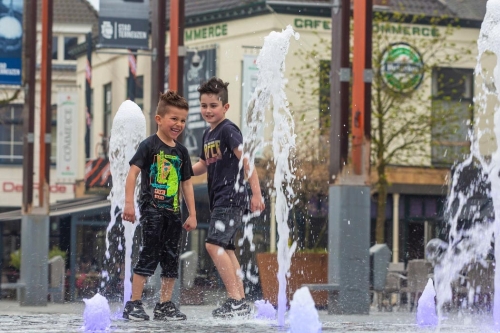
column 165, row 167
column 220, row 159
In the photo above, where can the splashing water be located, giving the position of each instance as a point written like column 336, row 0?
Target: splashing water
column 264, row 310
column 471, row 232
column 303, row 315
column 96, row 316
column 269, row 93
column 426, row 309
column 127, row 131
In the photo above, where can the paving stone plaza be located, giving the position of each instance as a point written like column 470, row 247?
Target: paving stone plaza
column 69, row 318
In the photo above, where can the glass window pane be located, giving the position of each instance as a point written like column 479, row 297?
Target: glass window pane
column 69, row 42
column 54, row 47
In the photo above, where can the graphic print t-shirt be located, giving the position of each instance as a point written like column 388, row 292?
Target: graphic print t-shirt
column 162, row 169
column 223, row 165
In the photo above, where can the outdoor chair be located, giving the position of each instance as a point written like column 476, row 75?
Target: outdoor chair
column 418, row 273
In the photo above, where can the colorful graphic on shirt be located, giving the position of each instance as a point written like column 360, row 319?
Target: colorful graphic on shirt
column 212, row 151
column 165, row 176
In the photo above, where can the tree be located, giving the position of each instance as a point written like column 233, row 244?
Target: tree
column 406, row 120
column 7, row 98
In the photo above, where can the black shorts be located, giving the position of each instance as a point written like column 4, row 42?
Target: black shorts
column 224, row 222
column 161, row 237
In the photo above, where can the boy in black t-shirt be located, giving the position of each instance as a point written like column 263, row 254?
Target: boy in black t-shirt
column 165, row 166
column 220, row 159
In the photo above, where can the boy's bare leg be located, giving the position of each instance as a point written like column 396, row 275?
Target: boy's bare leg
column 167, row 288
column 237, row 269
column 138, row 282
column 226, row 270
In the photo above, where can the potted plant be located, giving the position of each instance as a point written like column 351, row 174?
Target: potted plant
column 13, row 270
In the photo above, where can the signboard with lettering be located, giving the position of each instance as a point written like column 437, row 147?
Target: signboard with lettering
column 402, row 67
column 67, row 136
column 117, row 28
column 199, row 66
column 11, row 42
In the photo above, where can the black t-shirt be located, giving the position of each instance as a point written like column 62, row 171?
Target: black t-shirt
column 223, row 166
column 162, row 169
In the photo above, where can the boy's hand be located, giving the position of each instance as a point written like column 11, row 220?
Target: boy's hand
column 257, row 203
column 129, row 213
column 190, row 223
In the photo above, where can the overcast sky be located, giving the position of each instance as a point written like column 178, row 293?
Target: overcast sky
column 95, row 3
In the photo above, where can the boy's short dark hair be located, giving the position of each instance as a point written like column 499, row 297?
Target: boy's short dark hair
column 170, row 98
column 215, row 86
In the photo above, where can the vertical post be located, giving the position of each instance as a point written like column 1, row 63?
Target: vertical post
column 349, row 193
column 45, row 105
column 173, row 80
column 88, row 90
column 29, row 68
column 158, row 60
column 395, row 228
column 361, row 86
column 180, row 44
column 339, row 91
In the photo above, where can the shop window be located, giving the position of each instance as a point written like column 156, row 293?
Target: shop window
column 11, row 134
column 452, row 92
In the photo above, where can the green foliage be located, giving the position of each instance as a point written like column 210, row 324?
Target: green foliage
column 406, row 125
column 15, row 257
column 56, row 251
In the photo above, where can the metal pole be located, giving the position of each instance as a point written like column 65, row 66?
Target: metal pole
column 45, row 105
column 173, row 80
column 158, row 60
column 339, row 91
column 29, row 68
column 88, row 90
column 361, row 94
column 132, row 67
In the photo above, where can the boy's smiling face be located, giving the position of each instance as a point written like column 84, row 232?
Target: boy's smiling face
column 172, row 123
column 212, row 109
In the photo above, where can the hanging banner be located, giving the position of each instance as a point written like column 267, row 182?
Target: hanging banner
column 67, row 136
column 199, row 66
column 117, row 28
column 249, row 83
column 11, row 42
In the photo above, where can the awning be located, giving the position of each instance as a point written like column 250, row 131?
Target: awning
column 63, row 207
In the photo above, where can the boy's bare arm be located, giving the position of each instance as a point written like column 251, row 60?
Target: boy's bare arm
column 188, row 193
column 199, row 167
column 129, row 209
column 257, row 202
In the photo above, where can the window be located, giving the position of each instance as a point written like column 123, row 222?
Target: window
column 137, row 94
column 107, row 117
column 61, row 45
column 452, row 92
column 69, row 42
column 11, row 134
column 324, row 96
column 53, row 133
column 55, row 47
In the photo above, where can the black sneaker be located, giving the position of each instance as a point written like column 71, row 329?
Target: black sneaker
column 232, row 308
column 167, row 311
column 135, row 311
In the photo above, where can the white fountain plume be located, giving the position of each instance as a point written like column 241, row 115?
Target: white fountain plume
column 472, row 243
column 269, row 93
column 127, row 131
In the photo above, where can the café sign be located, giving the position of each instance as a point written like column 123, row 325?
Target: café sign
column 402, row 67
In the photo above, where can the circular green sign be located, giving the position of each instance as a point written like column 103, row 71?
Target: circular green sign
column 402, row 67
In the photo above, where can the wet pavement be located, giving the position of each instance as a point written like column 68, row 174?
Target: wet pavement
column 69, row 318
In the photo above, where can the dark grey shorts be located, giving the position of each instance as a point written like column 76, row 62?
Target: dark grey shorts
column 224, row 222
